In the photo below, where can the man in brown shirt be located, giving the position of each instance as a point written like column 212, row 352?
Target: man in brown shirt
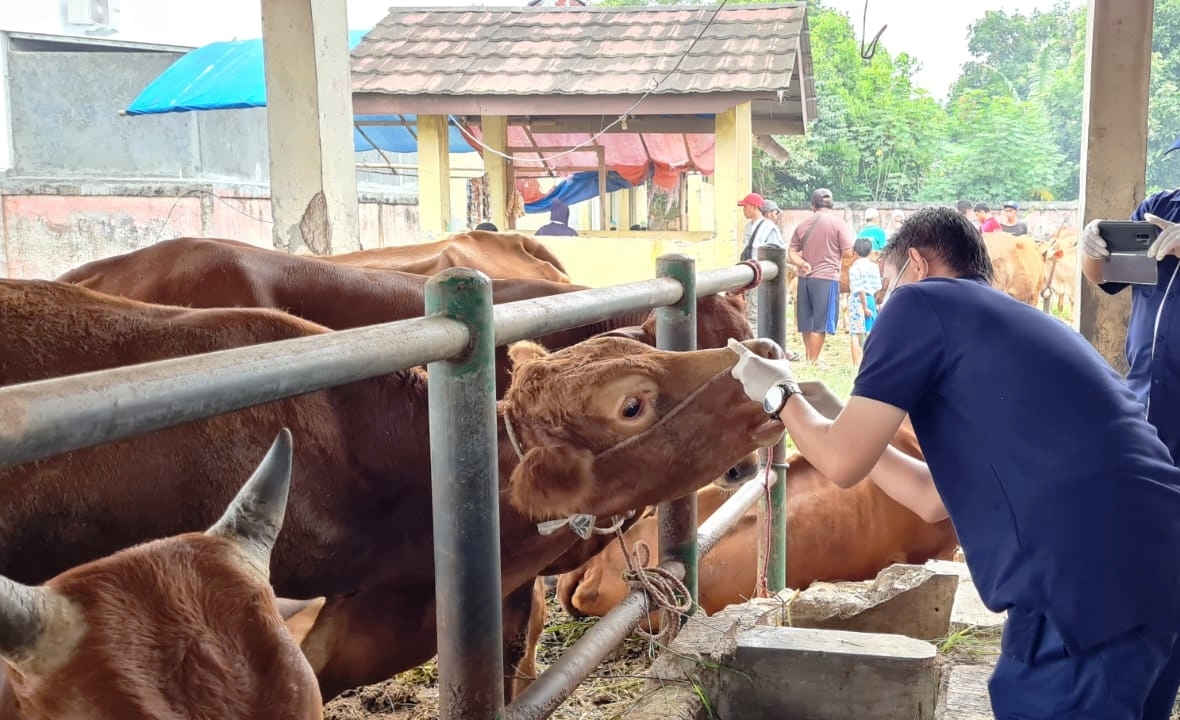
column 817, row 247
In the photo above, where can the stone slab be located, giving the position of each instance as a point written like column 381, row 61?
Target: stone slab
column 811, row 674
column 968, row 610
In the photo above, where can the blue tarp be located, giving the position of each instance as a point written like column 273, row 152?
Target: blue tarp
column 229, row 75
column 576, row 188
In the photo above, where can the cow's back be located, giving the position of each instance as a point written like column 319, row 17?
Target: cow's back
column 498, row 255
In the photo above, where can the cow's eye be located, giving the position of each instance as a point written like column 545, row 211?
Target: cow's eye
column 632, row 407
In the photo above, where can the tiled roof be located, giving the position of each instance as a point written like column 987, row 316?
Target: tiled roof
column 580, row 51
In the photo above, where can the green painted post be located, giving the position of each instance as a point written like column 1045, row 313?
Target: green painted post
column 772, row 323
column 676, row 329
column 465, row 490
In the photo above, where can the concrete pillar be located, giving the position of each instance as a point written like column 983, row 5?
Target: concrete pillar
column 1114, row 148
column 495, row 137
column 309, row 126
column 733, row 173
column 434, row 176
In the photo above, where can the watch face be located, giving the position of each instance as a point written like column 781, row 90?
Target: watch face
column 773, row 400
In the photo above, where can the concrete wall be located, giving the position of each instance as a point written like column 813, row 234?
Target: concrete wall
column 48, row 228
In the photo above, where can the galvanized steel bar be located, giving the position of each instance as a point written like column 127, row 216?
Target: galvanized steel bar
column 559, row 681
column 465, row 491
column 772, row 323
column 676, row 329
column 48, row 417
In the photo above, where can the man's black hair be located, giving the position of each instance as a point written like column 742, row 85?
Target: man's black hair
column 863, row 246
column 946, row 235
column 964, row 205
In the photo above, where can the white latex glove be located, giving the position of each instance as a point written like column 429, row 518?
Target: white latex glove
column 1092, row 243
column 1168, row 242
column 758, row 374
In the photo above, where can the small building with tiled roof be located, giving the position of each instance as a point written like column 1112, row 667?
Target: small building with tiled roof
column 638, row 90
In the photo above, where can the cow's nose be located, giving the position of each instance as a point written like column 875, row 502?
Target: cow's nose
column 765, row 347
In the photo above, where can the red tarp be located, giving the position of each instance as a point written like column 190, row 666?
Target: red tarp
column 669, row 154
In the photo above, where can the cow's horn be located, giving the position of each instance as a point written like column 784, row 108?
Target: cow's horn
column 253, row 519
column 23, row 614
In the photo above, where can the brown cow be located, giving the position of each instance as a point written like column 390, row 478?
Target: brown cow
column 833, row 534
column 359, row 525
column 207, row 273
column 183, row 627
column 1018, row 264
column 496, row 254
column 1061, row 267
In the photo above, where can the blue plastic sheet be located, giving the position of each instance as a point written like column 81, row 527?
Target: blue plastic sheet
column 230, row 75
column 576, row 188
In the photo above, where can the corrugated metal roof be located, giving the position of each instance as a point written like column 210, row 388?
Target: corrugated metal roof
column 580, row 50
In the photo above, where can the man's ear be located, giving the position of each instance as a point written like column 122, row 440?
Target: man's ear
column 525, row 350
column 552, row 481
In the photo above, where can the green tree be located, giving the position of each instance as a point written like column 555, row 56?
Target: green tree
column 995, row 148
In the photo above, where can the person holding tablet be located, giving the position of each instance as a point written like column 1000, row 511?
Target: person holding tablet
column 1154, row 326
column 1065, row 500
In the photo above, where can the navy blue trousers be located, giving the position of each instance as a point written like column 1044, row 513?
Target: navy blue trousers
column 1133, row 676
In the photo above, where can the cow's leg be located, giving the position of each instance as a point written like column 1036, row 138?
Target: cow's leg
column 524, row 621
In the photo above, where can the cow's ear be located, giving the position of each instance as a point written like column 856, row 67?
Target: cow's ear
column 525, row 350
column 300, row 615
column 633, row 332
column 552, row 481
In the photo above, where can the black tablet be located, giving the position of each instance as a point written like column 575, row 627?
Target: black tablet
column 1124, row 236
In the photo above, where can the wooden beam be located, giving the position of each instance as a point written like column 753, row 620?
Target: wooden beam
column 495, row 136
column 764, row 125
column 733, row 174
column 1114, row 148
column 585, row 105
column 434, row 175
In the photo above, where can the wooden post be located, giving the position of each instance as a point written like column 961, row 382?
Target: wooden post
column 1114, row 149
column 434, row 176
column 309, row 126
column 495, row 137
column 733, row 173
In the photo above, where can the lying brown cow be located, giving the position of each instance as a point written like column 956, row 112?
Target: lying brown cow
column 496, row 254
column 832, row 534
column 1018, row 264
column 207, row 273
column 184, row 627
column 359, row 526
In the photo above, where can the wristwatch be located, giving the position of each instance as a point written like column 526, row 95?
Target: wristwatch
column 776, row 397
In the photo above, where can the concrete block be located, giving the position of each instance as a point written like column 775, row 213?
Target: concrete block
column 966, row 694
column 905, row 600
column 807, row 674
column 968, row 610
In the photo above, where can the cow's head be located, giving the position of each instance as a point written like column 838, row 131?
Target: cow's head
column 189, row 619
column 611, row 425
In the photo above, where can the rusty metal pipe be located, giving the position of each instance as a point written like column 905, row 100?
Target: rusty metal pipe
column 557, row 683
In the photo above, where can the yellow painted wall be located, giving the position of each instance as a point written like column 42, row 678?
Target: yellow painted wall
column 601, row 259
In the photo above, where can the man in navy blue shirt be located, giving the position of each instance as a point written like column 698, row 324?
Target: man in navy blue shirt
column 1065, row 501
column 1154, row 374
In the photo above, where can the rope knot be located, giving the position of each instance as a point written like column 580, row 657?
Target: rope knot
column 757, row 268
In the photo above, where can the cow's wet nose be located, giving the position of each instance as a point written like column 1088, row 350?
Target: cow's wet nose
column 765, row 347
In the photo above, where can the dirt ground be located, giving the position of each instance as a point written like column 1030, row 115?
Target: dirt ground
column 413, row 695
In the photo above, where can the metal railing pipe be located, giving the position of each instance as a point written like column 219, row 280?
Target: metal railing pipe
column 558, row 682
column 676, row 329
column 465, row 493
column 48, row 417
column 58, row 415
column 772, row 323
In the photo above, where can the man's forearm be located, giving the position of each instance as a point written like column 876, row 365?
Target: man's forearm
column 908, row 481
column 795, row 257
column 1092, row 268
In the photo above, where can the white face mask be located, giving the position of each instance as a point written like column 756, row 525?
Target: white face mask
column 893, row 285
